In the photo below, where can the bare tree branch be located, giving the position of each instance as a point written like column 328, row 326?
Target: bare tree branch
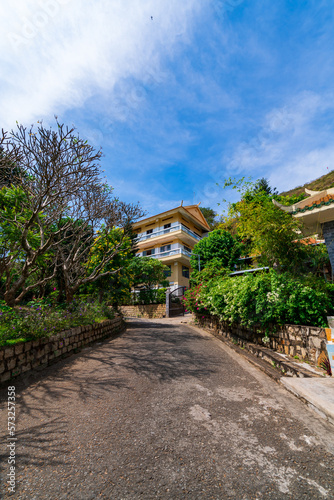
column 52, row 203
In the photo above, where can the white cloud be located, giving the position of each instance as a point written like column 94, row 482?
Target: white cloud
column 55, row 54
column 293, row 146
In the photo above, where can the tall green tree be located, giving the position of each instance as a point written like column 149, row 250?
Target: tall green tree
column 220, row 246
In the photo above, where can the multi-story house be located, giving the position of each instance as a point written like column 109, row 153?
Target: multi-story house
column 171, row 237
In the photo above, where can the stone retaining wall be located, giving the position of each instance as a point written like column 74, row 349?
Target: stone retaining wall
column 147, row 311
column 38, row 354
column 306, row 342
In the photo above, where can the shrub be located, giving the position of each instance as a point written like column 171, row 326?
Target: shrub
column 144, row 297
column 263, row 300
column 42, row 320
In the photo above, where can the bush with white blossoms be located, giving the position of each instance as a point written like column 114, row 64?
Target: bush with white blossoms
column 263, row 300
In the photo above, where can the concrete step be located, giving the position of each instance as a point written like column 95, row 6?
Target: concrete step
column 284, row 365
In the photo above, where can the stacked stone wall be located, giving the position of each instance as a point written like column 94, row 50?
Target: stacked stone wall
column 306, row 342
column 37, row 354
column 144, row 311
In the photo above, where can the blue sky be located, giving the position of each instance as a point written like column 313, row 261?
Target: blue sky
column 205, row 90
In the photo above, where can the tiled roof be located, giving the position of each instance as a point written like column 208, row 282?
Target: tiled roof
column 325, row 200
column 311, row 241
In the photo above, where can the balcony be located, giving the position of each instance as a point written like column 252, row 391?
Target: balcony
column 161, row 232
column 168, row 253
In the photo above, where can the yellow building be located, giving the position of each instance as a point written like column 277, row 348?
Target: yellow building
column 171, row 237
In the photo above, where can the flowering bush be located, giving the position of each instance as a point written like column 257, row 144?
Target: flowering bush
column 43, row 320
column 265, row 299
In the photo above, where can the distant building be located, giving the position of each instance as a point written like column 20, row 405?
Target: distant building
column 317, row 214
column 170, row 237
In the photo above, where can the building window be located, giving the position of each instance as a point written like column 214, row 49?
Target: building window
column 167, row 226
column 149, row 252
column 185, row 272
column 187, row 249
column 149, row 231
column 165, row 248
column 168, row 272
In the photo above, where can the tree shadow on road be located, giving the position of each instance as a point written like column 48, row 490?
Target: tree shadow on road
column 160, row 352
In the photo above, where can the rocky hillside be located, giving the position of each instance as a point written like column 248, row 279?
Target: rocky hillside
column 323, row 182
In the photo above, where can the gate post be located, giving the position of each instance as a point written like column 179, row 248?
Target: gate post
column 167, row 303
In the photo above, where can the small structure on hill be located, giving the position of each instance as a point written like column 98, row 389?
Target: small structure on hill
column 317, row 214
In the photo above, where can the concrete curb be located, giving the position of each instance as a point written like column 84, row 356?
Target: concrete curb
column 317, row 393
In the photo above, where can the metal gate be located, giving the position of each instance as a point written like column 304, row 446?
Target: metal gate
column 174, row 302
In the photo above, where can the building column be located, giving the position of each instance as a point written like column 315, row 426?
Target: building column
column 328, row 233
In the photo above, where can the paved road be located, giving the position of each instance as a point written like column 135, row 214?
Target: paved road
column 168, row 412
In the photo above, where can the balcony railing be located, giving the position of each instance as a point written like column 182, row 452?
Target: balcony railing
column 161, row 232
column 173, row 251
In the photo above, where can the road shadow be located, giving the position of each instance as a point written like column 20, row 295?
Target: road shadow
column 163, row 352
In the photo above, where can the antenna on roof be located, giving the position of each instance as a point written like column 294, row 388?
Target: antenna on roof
column 181, row 203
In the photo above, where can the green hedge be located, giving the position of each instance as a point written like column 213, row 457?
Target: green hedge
column 265, row 299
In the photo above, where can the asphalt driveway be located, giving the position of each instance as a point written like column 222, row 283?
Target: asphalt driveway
column 164, row 411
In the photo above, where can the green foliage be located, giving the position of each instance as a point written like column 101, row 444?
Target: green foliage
column 264, row 300
column 40, row 319
column 148, row 272
column 11, row 201
column 210, row 216
column 53, row 204
column 212, row 270
column 271, row 233
column 161, row 295
column 290, row 200
column 144, row 297
column 262, row 186
column 219, row 245
column 115, row 287
column 152, row 296
column 291, row 293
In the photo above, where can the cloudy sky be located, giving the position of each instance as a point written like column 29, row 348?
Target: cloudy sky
column 179, row 94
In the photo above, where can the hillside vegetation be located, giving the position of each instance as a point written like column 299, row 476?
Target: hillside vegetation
column 323, row 182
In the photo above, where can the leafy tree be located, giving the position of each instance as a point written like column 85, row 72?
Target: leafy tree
column 53, row 208
column 148, row 272
column 210, row 216
column 272, row 234
column 262, row 186
column 219, row 245
column 115, row 286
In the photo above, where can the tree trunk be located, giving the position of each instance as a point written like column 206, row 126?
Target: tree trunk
column 69, row 295
column 9, row 298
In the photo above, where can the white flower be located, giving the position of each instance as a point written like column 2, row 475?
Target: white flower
column 272, row 296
